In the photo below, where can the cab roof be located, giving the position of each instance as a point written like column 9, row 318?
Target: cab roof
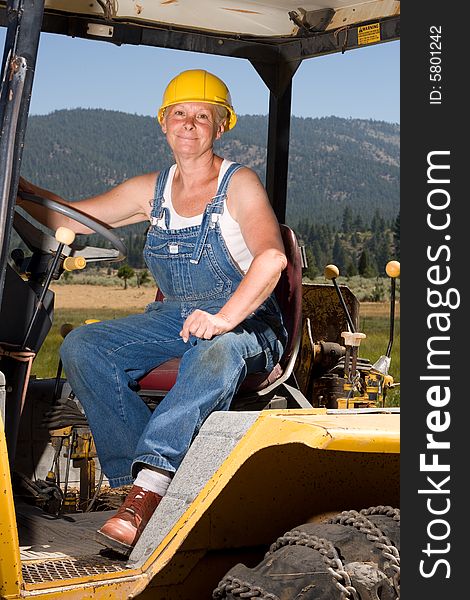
column 273, row 32
column 265, row 19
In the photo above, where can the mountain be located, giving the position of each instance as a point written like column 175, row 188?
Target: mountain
column 335, row 163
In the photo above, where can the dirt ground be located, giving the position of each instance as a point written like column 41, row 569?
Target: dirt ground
column 378, row 309
column 96, row 296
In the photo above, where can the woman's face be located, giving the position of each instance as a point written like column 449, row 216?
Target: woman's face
column 191, row 127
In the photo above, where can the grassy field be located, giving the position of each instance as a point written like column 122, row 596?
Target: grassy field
column 75, row 304
column 45, row 364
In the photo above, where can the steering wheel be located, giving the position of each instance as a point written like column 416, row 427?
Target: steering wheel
column 36, row 239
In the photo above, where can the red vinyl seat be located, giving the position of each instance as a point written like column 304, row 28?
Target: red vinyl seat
column 289, row 296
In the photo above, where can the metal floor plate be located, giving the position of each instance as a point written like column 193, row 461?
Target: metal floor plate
column 58, row 570
column 56, row 549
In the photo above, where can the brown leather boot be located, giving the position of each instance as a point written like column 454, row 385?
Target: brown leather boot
column 122, row 531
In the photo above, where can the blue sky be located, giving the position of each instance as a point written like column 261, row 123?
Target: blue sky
column 362, row 83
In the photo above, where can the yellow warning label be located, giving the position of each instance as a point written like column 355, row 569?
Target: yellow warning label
column 368, row 34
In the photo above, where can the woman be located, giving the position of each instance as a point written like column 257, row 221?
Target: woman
column 215, row 250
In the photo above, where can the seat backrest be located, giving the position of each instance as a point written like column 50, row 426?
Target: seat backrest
column 289, row 293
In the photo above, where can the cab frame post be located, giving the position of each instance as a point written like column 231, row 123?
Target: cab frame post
column 18, row 66
column 278, row 78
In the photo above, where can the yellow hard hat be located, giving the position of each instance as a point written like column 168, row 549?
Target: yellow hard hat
column 196, row 85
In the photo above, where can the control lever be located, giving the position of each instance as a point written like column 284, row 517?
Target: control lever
column 332, row 272
column 352, row 338
column 65, row 237
column 382, row 364
column 352, row 341
column 393, row 271
column 74, row 263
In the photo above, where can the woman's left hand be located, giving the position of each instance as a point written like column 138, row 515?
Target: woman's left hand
column 202, row 324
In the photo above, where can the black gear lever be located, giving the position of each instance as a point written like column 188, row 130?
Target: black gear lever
column 382, row 365
column 65, row 237
column 332, row 272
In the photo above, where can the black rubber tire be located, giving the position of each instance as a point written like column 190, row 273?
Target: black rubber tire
column 355, row 554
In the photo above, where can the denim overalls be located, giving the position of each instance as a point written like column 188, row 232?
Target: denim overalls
column 103, row 361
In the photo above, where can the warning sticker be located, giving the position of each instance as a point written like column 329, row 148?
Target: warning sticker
column 368, row 34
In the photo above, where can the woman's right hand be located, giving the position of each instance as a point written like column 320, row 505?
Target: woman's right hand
column 47, row 217
column 205, row 325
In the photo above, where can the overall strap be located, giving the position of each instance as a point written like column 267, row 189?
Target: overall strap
column 222, row 189
column 212, row 212
column 158, row 212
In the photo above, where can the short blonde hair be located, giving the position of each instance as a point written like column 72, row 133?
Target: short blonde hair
column 221, row 114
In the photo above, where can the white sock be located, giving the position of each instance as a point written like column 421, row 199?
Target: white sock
column 153, row 480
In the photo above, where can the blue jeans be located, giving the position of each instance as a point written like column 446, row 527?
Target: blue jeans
column 103, row 362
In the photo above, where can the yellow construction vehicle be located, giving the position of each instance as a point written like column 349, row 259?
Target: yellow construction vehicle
column 294, row 493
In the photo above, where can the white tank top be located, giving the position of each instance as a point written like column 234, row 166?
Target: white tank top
column 229, row 228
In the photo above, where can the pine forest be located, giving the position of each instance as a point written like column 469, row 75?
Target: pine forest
column 343, row 181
